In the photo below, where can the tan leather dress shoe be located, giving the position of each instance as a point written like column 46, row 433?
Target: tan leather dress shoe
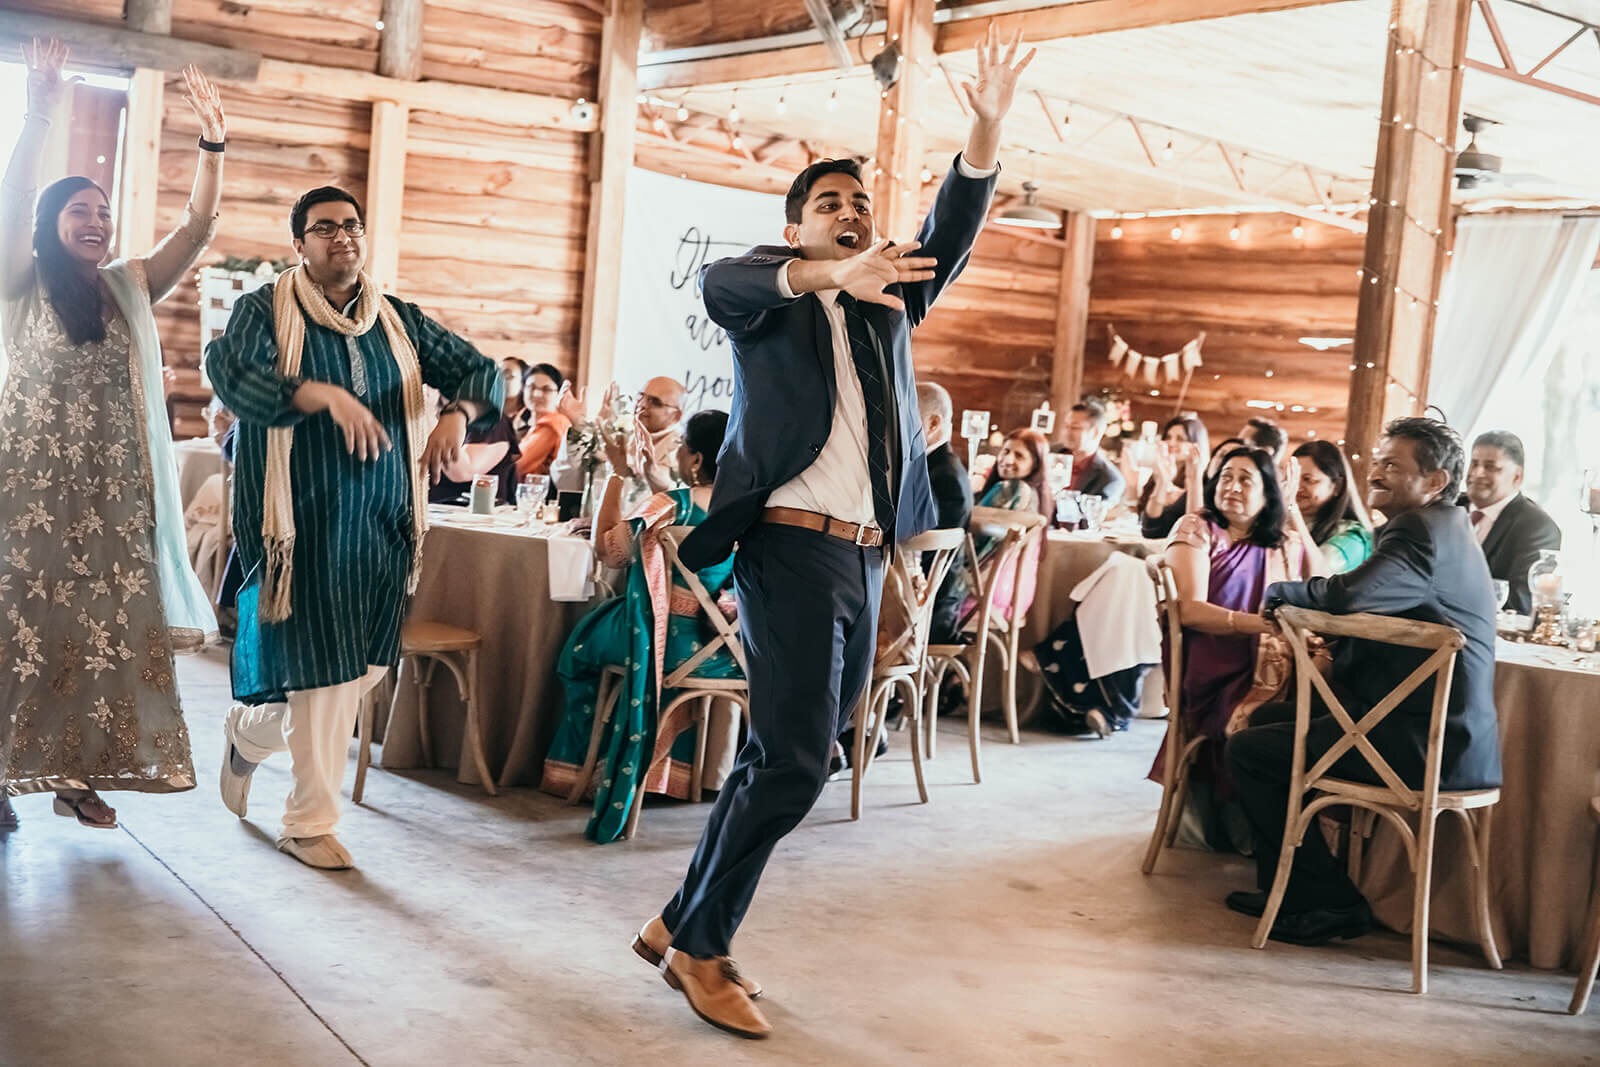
column 323, row 852
column 654, row 940
column 713, row 990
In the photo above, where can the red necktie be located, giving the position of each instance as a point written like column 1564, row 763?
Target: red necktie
column 1477, row 517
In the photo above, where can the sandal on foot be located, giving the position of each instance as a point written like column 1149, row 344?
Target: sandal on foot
column 73, row 808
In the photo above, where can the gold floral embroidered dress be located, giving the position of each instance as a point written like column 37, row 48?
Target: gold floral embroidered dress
column 88, row 699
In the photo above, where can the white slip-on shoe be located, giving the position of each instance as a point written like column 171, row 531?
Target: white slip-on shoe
column 323, row 852
column 235, row 788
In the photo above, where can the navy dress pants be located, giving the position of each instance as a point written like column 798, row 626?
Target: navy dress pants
column 808, row 616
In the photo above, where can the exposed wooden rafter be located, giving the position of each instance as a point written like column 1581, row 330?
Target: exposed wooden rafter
column 746, row 61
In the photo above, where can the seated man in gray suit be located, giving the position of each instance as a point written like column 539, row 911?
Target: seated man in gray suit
column 1092, row 473
column 1424, row 566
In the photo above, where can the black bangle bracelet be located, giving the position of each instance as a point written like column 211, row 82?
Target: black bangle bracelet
column 213, row 146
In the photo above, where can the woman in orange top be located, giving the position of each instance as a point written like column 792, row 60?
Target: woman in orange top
column 541, row 393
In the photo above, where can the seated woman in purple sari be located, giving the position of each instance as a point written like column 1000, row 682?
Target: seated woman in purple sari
column 1223, row 559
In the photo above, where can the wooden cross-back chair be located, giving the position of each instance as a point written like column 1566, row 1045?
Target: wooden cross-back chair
column 1180, row 748
column 685, row 685
column 907, row 671
column 990, row 628
column 1590, row 963
column 1313, row 788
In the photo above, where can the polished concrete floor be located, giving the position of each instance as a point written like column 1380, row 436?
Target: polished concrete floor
column 1005, row 923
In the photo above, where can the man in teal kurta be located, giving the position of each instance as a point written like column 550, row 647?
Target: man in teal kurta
column 349, row 414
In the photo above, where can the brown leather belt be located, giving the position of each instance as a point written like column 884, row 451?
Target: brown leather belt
column 865, row 536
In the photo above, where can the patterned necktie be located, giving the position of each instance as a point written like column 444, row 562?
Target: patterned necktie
column 864, row 352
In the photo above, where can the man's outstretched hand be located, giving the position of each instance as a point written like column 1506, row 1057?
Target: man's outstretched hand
column 868, row 273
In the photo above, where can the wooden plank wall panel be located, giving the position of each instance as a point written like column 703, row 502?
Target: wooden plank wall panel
column 684, row 23
column 539, row 46
column 270, row 162
column 1254, row 297
column 330, row 33
column 494, row 248
column 989, row 340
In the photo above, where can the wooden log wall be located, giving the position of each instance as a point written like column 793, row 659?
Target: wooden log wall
column 1254, row 298
column 494, row 216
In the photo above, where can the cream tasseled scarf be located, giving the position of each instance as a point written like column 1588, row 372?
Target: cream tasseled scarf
column 296, row 291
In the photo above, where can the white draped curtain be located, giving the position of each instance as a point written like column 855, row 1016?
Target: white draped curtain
column 1512, row 283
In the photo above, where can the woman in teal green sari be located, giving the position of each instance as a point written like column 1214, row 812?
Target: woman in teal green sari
column 650, row 630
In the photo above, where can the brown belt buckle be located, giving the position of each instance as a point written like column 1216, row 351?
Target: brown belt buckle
column 864, row 534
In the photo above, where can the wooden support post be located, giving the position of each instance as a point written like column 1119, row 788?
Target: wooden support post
column 1072, row 316
column 610, row 158
column 141, row 163
column 400, row 46
column 1408, row 225
column 148, row 16
column 900, row 139
column 386, row 190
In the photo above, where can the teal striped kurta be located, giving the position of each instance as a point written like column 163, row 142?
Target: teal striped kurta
column 352, row 550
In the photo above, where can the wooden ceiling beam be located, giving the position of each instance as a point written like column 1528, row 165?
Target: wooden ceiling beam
column 1080, row 19
column 1508, row 70
column 114, row 48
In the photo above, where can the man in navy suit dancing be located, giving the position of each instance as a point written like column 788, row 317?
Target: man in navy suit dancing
column 822, row 470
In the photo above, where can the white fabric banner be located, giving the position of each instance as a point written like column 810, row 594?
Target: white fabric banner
column 672, row 228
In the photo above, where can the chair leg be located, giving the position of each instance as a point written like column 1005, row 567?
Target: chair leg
column 423, row 679
column 634, row 811
column 1158, row 835
column 363, row 748
column 1421, row 899
column 1180, row 798
column 1590, row 962
column 1360, row 830
column 1478, row 847
column 1280, row 881
column 975, row 710
column 858, row 758
column 697, row 772
column 1010, row 679
column 605, row 699
column 475, row 724
column 932, row 682
column 912, row 703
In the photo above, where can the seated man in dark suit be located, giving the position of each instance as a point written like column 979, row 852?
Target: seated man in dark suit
column 1422, row 567
column 952, row 495
column 1511, row 528
column 1092, row 473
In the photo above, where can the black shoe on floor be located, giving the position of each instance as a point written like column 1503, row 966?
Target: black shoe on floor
column 847, row 741
column 1251, row 902
column 1318, row 926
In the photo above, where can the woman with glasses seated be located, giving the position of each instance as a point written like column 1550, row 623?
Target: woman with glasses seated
column 1223, row 559
column 541, row 395
column 650, row 630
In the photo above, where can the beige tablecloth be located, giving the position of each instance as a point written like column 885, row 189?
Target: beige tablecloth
column 1543, row 856
column 198, row 459
column 495, row 580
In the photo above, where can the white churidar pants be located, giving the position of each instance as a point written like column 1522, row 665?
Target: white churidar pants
column 314, row 727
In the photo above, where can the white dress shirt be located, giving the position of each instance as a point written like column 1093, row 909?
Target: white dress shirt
column 839, row 483
column 1490, row 514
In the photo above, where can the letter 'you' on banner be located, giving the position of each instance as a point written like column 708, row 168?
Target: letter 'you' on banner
column 663, row 328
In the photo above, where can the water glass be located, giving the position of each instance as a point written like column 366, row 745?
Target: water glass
column 1502, row 591
column 1094, row 510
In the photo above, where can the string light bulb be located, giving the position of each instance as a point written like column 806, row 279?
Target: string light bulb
column 783, row 103
column 1166, row 153
column 1299, row 232
column 733, row 108
column 926, row 175
column 1233, row 234
column 1177, row 233
column 683, row 111
column 833, row 101
column 1116, row 233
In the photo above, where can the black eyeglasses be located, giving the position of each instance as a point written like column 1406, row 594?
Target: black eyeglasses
column 328, row 228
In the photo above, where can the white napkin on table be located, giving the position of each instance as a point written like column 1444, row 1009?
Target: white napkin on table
column 571, row 568
column 1117, row 616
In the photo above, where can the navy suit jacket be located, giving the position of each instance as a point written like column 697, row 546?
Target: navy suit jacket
column 783, row 383
column 1424, row 566
column 1513, row 545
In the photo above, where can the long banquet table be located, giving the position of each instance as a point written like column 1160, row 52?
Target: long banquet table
column 1543, row 852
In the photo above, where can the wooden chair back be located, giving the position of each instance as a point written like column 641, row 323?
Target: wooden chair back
column 727, row 633
column 1444, row 642
column 945, row 546
column 1022, row 529
column 1166, row 588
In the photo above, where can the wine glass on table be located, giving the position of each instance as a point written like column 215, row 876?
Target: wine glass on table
column 1094, row 510
column 530, row 495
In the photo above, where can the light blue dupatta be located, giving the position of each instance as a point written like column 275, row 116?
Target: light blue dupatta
column 188, row 608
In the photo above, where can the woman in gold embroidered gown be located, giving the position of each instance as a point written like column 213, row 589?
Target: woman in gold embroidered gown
column 95, row 587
